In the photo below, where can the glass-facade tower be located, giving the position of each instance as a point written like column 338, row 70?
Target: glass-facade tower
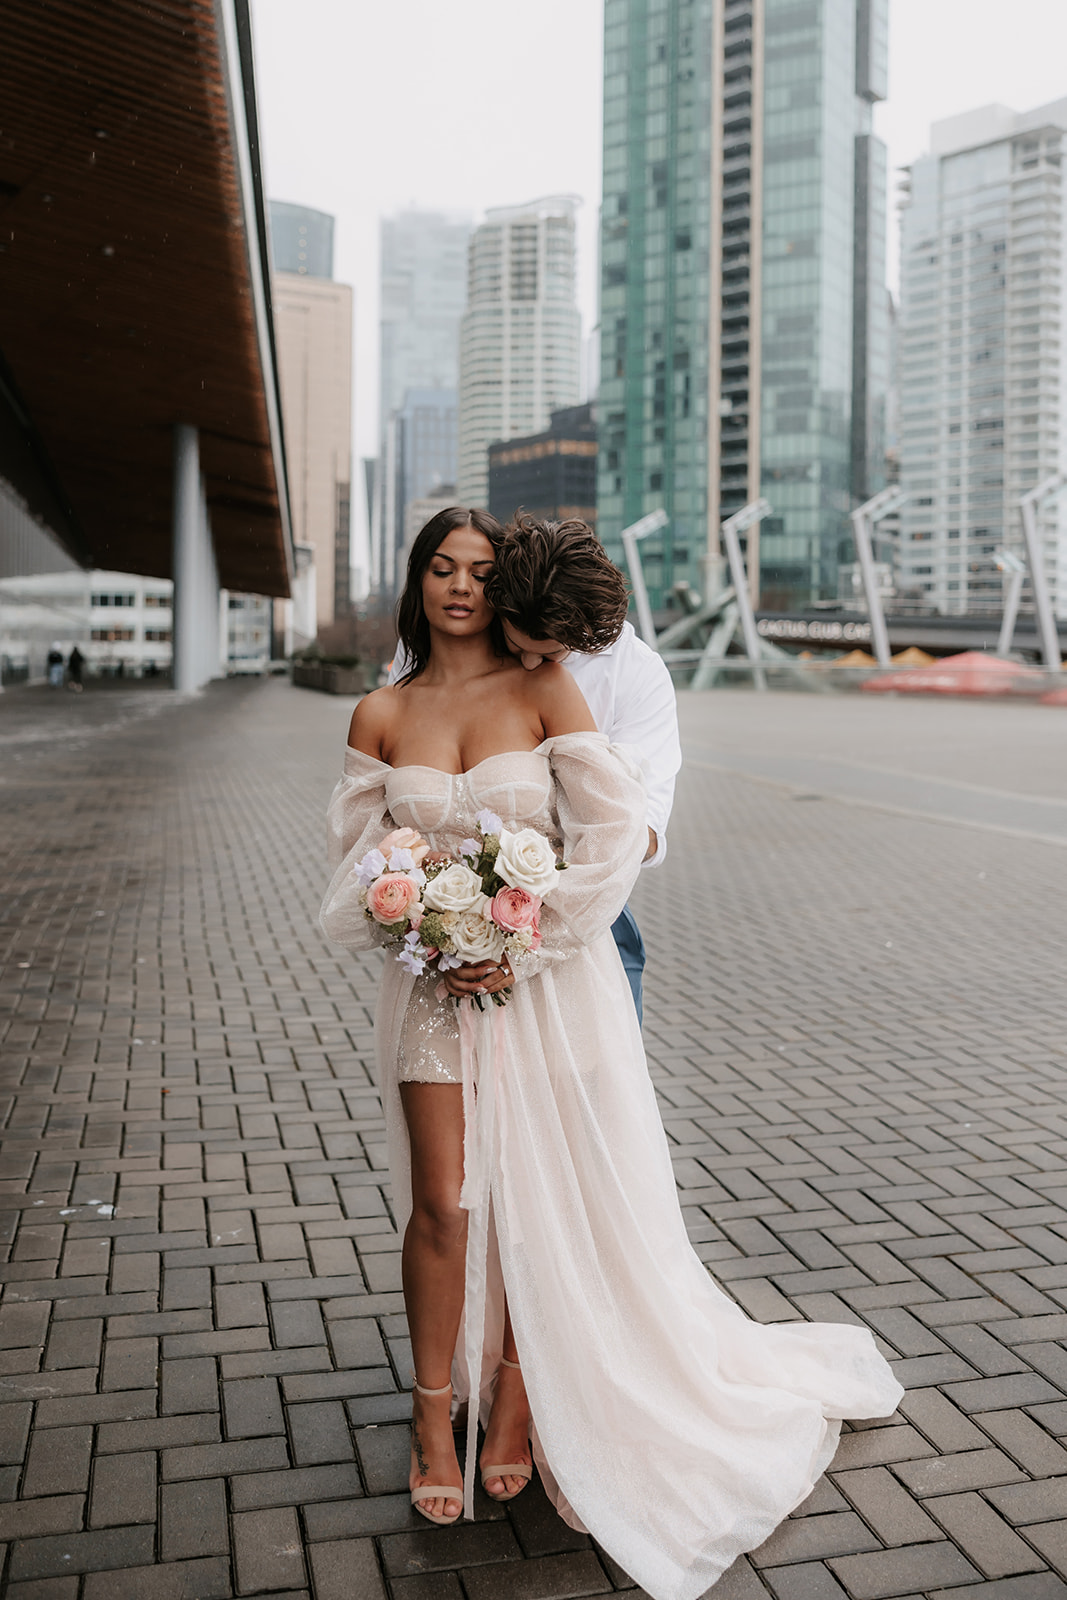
column 744, row 317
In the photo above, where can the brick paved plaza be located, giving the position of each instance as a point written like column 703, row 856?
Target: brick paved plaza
column 862, row 1066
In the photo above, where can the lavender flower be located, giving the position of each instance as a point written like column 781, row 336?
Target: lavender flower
column 372, row 866
column 470, row 848
column 488, row 821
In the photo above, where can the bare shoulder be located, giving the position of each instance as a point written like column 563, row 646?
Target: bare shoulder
column 559, row 702
column 371, row 721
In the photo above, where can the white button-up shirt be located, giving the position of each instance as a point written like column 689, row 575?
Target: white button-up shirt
column 631, row 698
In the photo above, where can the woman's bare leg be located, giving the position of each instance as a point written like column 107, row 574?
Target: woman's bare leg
column 433, row 1259
column 507, row 1438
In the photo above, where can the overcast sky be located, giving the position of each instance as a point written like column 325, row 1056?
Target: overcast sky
column 368, row 107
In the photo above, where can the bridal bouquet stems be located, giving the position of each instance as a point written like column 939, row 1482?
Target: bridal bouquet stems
column 481, row 905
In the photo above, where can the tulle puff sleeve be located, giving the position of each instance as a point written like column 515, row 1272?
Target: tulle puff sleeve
column 601, row 806
column 357, row 818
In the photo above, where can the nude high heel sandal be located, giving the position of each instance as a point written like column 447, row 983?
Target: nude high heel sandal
column 436, row 1491
column 510, row 1469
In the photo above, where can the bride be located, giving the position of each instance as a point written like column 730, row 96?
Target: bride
column 547, row 1274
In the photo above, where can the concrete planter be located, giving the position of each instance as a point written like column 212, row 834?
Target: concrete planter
column 330, row 679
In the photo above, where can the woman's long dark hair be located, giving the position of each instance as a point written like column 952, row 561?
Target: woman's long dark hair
column 411, row 624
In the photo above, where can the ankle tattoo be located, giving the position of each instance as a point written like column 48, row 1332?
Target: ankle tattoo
column 420, row 1457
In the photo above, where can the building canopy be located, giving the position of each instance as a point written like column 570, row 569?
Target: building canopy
column 134, row 283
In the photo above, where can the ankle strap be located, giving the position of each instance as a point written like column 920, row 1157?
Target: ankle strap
column 504, row 1362
column 443, row 1390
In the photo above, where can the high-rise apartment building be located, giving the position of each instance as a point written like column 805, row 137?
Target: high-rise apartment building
column 423, row 292
column 551, row 474
column 301, row 240
column 426, row 443
column 521, row 335
column 983, row 352
column 313, row 329
column 743, row 321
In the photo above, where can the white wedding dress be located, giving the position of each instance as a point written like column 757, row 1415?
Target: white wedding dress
column 665, row 1422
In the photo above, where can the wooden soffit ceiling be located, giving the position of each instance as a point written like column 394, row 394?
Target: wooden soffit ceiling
column 130, row 263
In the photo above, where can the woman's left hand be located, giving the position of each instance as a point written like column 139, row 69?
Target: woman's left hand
column 485, row 977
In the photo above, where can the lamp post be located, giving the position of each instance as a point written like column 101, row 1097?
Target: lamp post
column 754, row 512
column 863, row 520
column 640, row 530
column 1046, row 624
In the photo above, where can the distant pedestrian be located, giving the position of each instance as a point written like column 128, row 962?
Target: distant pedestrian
column 55, row 667
column 75, row 663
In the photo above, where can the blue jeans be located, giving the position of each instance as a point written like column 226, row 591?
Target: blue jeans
column 632, row 950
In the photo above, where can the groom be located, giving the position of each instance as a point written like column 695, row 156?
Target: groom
column 559, row 598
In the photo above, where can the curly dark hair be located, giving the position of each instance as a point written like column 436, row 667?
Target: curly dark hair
column 553, row 580
column 411, row 624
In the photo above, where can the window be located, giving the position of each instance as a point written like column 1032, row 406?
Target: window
column 158, row 635
column 111, row 635
column 113, row 599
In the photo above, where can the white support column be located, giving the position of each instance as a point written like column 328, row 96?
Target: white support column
column 185, row 551
column 196, row 578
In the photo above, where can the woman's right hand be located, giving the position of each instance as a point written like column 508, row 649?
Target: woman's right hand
column 485, row 977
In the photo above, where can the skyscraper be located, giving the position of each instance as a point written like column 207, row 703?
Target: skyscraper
column 423, row 292
column 983, row 352
column 743, row 304
column 301, row 240
column 521, row 333
column 313, row 327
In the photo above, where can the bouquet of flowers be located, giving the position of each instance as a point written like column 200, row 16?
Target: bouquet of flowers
column 482, row 906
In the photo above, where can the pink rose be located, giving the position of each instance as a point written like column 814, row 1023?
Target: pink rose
column 514, row 909
column 391, row 897
column 405, row 839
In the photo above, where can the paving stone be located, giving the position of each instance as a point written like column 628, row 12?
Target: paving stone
column 74, row 1344
column 1026, row 1442
column 1034, row 1586
column 100, row 1550
column 252, row 1406
column 984, row 1538
column 193, row 1519
column 320, row 1433
column 1050, row 1538
column 430, row 1586
column 267, row 1550
column 174, row 1580
column 809, row 1580
column 44, row 1589
column 1031, row 1502
column 814, row 1538
column 887, row 1506
column 347, row 1567
column 542, row 1578
column 916, row 1568
column 970, row 1469
column 124, row 1490
column 295, row 1486
column 130, row 1364
column 213, row 1460
column 49, row 1514
column 463, row 1545
column 58, row 1462
column 190, row 1385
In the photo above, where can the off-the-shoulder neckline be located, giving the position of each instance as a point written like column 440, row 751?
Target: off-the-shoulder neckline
column 421, row 766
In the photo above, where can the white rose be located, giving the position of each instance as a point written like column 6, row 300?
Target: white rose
column 457, row 888
column 476, row 939
column 527, row 861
